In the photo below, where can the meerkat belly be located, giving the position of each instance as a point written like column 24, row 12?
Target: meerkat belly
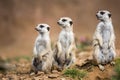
column 65, row 46
column 65, row 43
column 106, row 38
column 106, row 55
column 106, row 35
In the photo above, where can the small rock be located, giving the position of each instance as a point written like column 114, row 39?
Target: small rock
column 53, row 76
column 37, row 78
column 28, row 79
column 41, row 73
column 22, row 78
column 38, row 74
column 55, row 71
column 31, row 74
column 62, row 79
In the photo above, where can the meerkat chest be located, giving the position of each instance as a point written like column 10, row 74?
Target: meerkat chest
column 41, row 44
column 106, row 32
column 66, row 39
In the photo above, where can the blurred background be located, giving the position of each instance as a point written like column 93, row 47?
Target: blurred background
column 18, row 18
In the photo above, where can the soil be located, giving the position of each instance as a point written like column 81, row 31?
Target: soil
column 20, row 70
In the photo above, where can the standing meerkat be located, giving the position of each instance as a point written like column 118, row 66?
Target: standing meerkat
column 104, row 39
column 64, row 52
column 43, row 56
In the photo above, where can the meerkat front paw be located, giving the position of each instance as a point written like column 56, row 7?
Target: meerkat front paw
column 67, row 56
column 101, row 43
column 102, row 68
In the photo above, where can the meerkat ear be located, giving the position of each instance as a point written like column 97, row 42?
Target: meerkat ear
column 71, row 22
column 109, row 15
column 48, row 28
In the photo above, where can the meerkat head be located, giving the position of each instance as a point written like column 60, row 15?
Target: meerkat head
column 42, row 28
column 65, row 22
column 103, row 15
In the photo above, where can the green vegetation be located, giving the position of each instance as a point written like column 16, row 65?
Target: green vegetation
column 117, row 70
column 75, row 73
column 17, row 58
column 22, row 57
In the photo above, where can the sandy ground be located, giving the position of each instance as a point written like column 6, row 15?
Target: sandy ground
column 20, row 70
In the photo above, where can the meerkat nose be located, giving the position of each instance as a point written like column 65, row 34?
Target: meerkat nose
column 36, row 29
column 57, row 22
column 96, row 15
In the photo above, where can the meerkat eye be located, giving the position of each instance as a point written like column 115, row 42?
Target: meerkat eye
column 48, row 28
column 102, row 13
column 71, row 22
column 109, row 15
column 41, row 26
column 64, row 20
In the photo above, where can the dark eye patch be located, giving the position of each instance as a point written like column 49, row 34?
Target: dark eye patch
column 41, row 26
column 64, row 20
column 71, row 22
column 109, row 15
column 102, row 12
column 48, row 28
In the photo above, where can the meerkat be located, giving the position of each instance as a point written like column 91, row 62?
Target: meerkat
column 103, row 40
column 42, row 53
column 64, row 52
